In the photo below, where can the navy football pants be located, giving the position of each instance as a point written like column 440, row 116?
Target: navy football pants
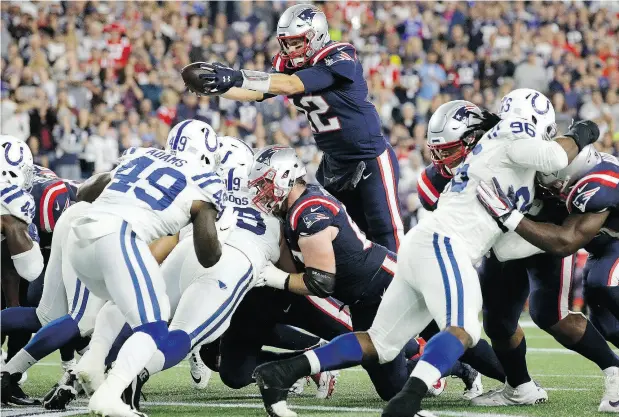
column 374, row 204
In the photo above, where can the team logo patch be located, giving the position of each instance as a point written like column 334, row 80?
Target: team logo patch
column 307, row 15
column 266, row 155
column 581, row 200
column 464, row 114
column 342, row 56
column 310, row 219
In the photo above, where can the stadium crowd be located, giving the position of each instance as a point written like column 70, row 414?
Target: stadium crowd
column 82, row 81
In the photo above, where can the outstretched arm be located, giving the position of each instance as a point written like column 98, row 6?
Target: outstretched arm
column 205, row 240
column 278, row 84
column 576, row 231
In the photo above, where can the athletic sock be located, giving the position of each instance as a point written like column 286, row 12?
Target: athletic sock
column 342, row 352
column 132, row 358
column 515, row 364
column 175, row 348
column 67, row 352
column 594, row 347
column 20, row 363
column 17, row 341
column 439, row 356
column 484, row 360
column 23, row 319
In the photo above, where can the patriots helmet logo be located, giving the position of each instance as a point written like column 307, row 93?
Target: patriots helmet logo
column 463, row 114
column 581, row 200
column 265, row 156
column 307, row 15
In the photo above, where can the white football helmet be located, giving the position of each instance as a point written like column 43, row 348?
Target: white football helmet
column 197, row 139
column 301, row 22
column 272, row 176
column 559, row 182
column 234, row 153
column 451, row 134
column 17, row 162
column 532, row 106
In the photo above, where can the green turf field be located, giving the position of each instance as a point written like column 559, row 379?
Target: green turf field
column 574, row 386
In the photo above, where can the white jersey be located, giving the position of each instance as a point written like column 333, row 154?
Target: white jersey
column 257, row 235
column 16, row 202
column 511, row 152
column 153, row 191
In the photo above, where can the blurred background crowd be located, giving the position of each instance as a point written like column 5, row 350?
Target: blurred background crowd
column 84, row 80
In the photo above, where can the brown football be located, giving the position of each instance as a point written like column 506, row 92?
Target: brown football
column 191, row 76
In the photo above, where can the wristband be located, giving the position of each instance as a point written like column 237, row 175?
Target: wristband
column 514, row 219
column 256, row 80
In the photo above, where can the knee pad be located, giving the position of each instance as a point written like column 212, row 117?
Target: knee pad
column 499, row 328
column 385, row 352
column 158, row 330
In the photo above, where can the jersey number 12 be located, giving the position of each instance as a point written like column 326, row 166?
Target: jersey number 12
column 315, row 108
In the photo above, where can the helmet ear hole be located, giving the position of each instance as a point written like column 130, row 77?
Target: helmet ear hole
column 534, row 120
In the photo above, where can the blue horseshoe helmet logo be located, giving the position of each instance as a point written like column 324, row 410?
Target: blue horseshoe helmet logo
column 538, row 111
column 9, row 160
column 208, row 146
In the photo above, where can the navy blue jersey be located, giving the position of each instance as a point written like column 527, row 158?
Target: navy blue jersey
column 430, row 185
column 595, row 192
column 357, row 259
column 345, row 123
column 52, row 195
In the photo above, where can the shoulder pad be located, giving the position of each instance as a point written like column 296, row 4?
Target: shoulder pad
column 18, row 203
column 211, row 187
column 313, row 215
column 337, row 51
column 513, row 128
column 430, row 185
column 597, row 191
column 55, row 199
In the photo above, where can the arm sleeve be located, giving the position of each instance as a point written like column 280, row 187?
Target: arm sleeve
column 316, row 78
column 29, row 264
column 540, row 155
column 430, row 185
column 512, row 246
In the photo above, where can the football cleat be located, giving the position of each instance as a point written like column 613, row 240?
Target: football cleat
column 610, row 400
column 23, row 379
column 274, row 381
column 528, row 393
column 11, row 392
column 438, row 388
column 298, row 387
column 62, row 393
column 403, row 404
column 200, row 373
column 325, row 384
column 472, row 382
column 104, row 403
column 89, row 378
column 131, row 394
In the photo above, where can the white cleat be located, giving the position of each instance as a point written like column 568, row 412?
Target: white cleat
column 524, row 394
column 325, row 384
column 281, row 409
column 24, row 378
column 200, row 373
column 438, row 388
column 298, row 387
column 476, row 389
column 105, row 404
column 89, row 379
column 610, row 400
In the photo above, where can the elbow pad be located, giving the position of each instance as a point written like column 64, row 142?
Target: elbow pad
column 29, row 264
column 320, row 283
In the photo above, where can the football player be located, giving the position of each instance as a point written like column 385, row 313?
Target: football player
column 506, row 286
column 19, row 234
column 589, row 187
column 324, row 79
column 152, row 193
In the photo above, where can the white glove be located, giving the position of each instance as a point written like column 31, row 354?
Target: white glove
column 272, row 276
column 499, row 205
column 226, row 224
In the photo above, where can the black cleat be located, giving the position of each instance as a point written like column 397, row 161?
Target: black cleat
column 11, row 392
column 131, row 395
column 407, row 402
column 275, row 380
column 62, row 393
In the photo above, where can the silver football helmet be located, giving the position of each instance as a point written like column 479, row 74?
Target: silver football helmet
column 16, row 162
column 561, row 181
column 272, row 176
column 301, row 31
column 451, row 134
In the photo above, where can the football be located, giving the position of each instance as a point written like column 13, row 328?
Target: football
column 191, row 77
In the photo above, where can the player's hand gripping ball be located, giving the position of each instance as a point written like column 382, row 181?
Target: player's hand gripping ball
column 205, row 78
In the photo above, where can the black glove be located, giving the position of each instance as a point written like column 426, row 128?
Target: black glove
column 220, row 78
column 584, row 132
column 487, row 122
